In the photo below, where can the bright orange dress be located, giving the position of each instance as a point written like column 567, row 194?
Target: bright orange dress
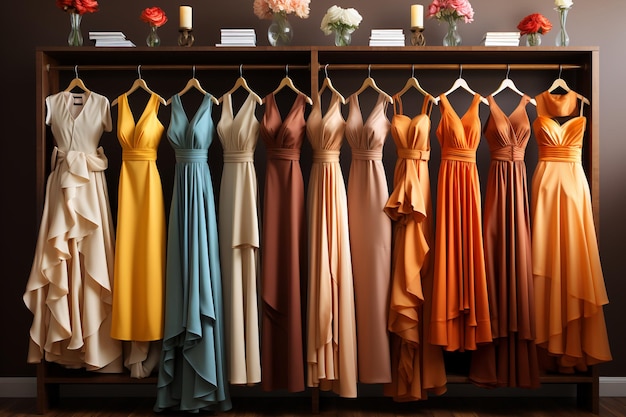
column 569, row 284
column 417, row 365
column 460, row 315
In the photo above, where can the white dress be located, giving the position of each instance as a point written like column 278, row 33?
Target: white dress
column 70, row 284
column 238, row 231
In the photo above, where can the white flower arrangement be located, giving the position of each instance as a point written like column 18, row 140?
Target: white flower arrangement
column 563, row 4
column 339, row 19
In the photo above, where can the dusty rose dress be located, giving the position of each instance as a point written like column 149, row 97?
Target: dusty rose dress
column 284, row 255
column 370, row 238
column 511, row 360
column 331, row 332
column 417, row 365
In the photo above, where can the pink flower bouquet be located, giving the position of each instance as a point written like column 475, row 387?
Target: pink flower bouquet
column 451, row 10
column 265, row 9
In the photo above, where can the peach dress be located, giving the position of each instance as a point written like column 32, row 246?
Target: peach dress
column 417, row 365
column 569, row 284
column 460, row 317
column 331, row 327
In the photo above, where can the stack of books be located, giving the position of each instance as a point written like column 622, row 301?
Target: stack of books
column 237, row 37
column 387, row 37
column 110, row 39
column 501, row 39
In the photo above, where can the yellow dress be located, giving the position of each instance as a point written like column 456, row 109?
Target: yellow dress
column 140, row 245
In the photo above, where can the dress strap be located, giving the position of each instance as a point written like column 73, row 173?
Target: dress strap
column 427, row 105
column 397, row 99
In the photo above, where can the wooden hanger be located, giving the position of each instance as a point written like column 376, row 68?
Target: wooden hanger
column 414, row 83
column 461, row 83
column 327, row 83
column 140, row 83
column 369, row 82
column 288, row 82
column 77, row 82
column 508, row 83
column 194, row 83
column 241, row 82
column 560, row 83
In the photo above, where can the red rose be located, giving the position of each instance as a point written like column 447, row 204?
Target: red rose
column 78, row 6
column 154, row 16
column 534, row 23
column 65, row 4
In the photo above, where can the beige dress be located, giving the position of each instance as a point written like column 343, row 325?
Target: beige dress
column 331, row 327
column 370, row 238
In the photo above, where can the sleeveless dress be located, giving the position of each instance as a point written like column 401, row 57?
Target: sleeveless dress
column 370, row 238
column 284, row 256
column 569, row 284
column 192, row 371
column 70, row 283
column 140, row 245
column 331, row 327
column 511, row 360
column 239, row 239
column 460, row 318
column 417, row 365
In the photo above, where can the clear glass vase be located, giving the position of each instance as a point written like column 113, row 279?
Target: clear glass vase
column 562, row 38
column 533, row 39
column 452, row 37
column 75, row 37
column 153, row 39
column 343, row 36
column 280, row 32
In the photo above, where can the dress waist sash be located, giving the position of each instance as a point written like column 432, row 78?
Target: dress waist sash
column 139, row 155
column 290, row 154
column 367, row 154
column 508, row 153
column 191, row 155
column 238, row 156
column 455, row 154
column 323, row 155
column 560, row 153
column 407, row 153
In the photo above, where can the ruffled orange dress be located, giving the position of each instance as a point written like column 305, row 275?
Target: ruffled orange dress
column 569, row 284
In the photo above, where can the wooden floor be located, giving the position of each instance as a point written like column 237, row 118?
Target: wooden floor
column 362, row 407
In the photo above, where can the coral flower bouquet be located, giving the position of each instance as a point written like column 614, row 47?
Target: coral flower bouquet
column 451, row 11
column 155, row 17
column 342, row 22
column 533, row 26
column 76, row 9
column 280, row 31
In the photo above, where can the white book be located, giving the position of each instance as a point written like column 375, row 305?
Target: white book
column 106, row 35
column 386, row 43
column 113, row 43
column 233, row 45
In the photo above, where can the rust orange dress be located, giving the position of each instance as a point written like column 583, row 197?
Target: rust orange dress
column 512, row 358
column 417, row 365
column 569, row 284
column 460, row 315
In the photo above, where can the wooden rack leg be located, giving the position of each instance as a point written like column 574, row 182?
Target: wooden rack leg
column 315, row 401
column 588, row 394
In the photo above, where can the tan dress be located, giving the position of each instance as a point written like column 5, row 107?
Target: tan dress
column 417, row 365
column 370, row 238
column 331, row 327
column 569, row 284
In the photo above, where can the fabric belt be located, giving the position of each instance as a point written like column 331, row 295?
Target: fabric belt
column 191, row 155
column 290, row 154
column 238, row 156
column 139, row 155
column 463, row 155
column 508, row 153
column 323, row 155
column 367, row 154
column 407, row 153
column 560, row 154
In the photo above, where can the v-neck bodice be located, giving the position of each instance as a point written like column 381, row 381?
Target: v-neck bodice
column 194, row 133
column 371, row 134
column 284, row 133
column 146, row 132
column 325, row 131
column 507, row 132
column 456, row 132
column 238, row 131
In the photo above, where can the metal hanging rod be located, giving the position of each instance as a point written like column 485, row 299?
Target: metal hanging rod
column 503, row 67
column 174, row 67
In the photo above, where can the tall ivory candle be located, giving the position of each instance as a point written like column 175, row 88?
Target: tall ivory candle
column 185, row 17
column 417, row 16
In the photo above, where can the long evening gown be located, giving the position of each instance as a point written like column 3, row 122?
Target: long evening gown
column 70, row 283
column 511, row 360
column 417, row 365
column 569, row 284
column 192, row 371
column 239, row 237
column 331, row 327
column 140, row 246
column 284, row 255
column 460, row 315
column 370, row 237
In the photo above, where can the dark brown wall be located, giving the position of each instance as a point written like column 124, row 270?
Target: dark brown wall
column 31, row 23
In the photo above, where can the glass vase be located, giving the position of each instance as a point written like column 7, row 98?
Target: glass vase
column 280, row 32
column 562, row 38
column 533, row 39
column 153, row 39
column 452, row 37
column 343, row 36
column 75, row 37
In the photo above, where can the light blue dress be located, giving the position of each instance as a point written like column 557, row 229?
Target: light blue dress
column 192, row 371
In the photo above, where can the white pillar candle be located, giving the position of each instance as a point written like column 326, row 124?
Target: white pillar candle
column 417, row 16
column 185, row 17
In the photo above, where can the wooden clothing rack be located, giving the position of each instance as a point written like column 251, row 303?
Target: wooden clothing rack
column 581, row 63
